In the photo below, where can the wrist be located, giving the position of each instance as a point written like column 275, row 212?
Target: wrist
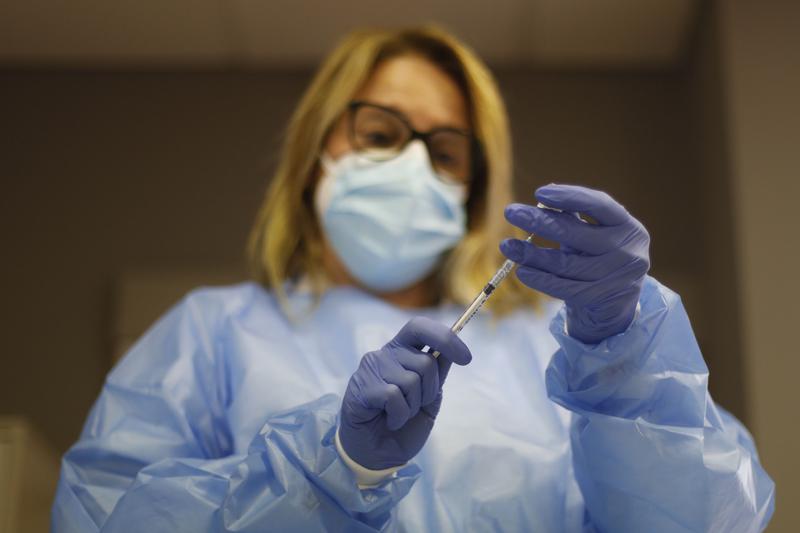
column 365, row 477
column 592, row 325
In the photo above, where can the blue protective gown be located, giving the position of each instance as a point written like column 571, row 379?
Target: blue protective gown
column 221, row 418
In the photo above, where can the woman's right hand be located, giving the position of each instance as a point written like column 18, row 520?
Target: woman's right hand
column 393, row 397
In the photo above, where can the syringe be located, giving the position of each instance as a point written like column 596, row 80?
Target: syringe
column 504, row 270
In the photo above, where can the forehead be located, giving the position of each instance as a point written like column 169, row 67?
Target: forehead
column 420, row 90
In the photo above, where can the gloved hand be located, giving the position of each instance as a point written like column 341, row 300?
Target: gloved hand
column 393, row 397
column 599, row 269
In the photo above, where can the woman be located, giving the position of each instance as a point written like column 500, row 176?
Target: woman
column 280, row 406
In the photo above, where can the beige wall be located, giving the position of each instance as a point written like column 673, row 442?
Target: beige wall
column 714, row 220
column 760, row 49
column 103, row 172
column 106, row 172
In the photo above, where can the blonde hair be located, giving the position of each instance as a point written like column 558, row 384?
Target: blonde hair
column 286, row 242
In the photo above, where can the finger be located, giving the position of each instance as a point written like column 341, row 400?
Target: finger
column 597, row 204
column 426, row 368
column 389, row 399
column 420, row 331
column 562, row 263
column 550, row 284
column 563, row 228
column 409, row 383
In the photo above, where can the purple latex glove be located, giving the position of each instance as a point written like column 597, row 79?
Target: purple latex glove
column 599, row 269
column 393, row 397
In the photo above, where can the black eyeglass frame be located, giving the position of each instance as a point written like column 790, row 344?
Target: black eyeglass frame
column 476, row 158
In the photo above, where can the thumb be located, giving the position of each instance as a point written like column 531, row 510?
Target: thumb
column 444, row 369
column 419, row 332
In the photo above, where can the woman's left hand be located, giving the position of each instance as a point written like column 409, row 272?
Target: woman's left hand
column 599, row 269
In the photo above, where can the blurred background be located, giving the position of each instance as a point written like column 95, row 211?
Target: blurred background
column 137, row 138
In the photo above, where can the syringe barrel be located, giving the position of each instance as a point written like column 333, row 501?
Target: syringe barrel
column 479, row 300
column 501, row 273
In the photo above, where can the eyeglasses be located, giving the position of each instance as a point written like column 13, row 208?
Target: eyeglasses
column 380, row 133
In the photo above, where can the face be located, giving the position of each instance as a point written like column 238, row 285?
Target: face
column 414, row 87
column 428, row 99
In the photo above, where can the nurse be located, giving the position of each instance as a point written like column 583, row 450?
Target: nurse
column 309, row 401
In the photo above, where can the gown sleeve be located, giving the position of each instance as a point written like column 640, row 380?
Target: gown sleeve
column 651, row 450
column 155, row 453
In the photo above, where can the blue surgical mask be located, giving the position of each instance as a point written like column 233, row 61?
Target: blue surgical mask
column 389, row 222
